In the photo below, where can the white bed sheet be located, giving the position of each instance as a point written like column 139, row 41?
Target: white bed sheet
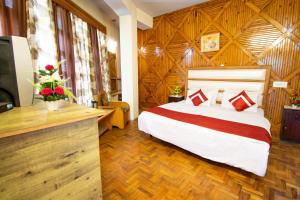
column 245, row 153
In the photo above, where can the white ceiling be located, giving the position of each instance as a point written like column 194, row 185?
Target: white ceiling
column 151, row 7
column 160, row 7
column 105, row 9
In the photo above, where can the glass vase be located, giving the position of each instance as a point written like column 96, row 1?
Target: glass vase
column 55, row 105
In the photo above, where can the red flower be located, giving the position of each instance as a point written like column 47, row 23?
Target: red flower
column 295, row 102
column 46, row 91
column 49, row 67
column 59, row 90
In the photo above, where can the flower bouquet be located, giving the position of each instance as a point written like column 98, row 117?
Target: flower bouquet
column 51, row 88
column 295, row 99
column 177, row 91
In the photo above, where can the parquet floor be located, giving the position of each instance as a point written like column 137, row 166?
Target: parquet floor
column 136, row 166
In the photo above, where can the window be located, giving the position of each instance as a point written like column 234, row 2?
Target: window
column 82, row 55
column 41, row 33
column 63, row 32
column 102, row 43
column 65, row 45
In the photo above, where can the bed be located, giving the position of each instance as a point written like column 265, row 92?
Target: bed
column 242, row 150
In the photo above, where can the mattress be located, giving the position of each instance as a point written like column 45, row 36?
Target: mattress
column 242, row 152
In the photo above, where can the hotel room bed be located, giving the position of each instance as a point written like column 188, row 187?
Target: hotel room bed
column 242, row 152
column 218, row 133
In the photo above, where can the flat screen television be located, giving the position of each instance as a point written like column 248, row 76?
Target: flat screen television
column 16, row 71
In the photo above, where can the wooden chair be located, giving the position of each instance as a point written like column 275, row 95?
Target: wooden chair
column 121, row 109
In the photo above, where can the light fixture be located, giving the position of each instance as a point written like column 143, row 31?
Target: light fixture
column 157, row 51
column 112, row 45
column 143, row 50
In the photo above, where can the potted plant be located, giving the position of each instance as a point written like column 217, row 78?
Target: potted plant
column 295, row 99
column 51, row 88
column 177, row 91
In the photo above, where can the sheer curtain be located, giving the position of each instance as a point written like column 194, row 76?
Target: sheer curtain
column 96, row 60
column 65, row 44
column 102, row 43
column 41, row 32
column 83, row 60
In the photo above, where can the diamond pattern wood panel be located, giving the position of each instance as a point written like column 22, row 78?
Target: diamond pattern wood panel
column 252, row 32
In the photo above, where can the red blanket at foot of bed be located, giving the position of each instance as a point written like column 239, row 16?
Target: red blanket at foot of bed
column 236, row 128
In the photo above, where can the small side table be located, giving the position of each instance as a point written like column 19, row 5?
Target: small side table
column 290, row 124
column 173, row 98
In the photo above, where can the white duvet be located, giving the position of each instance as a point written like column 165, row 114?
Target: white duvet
column 245, row 153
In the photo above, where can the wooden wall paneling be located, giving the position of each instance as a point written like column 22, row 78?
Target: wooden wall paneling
column 112, row 65
column 253, row 32
column 113, row 72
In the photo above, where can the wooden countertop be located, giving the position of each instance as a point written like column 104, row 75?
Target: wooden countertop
column 32, row 118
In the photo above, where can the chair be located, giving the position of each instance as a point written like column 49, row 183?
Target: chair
column 121, row 109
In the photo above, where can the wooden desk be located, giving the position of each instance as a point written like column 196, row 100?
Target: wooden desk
column 50, row 155
column 104, row 121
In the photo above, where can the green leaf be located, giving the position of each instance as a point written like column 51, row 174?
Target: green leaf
column 53, row 71
column 43, row 72
column 69, row 94
column 39, row 97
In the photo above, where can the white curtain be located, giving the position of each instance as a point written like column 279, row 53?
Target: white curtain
column 41, row 33
column 102, row 43
column 82, row 55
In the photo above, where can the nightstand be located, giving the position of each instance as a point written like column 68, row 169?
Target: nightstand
column 290, row 124
column 173, row 98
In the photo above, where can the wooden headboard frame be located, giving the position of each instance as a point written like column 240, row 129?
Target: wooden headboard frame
column 266, row 79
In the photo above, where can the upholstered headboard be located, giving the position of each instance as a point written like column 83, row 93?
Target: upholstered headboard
column 251, row 78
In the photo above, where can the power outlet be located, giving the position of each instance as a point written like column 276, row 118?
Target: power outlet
column 280, row 84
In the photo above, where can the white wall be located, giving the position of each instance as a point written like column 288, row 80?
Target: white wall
column 145, row 21
column 129, row 16
column 129, row 63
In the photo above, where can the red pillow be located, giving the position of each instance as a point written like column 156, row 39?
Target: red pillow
column 241, row 101
column 198, row 97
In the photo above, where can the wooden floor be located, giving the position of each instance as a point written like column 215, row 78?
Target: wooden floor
column 136, row 166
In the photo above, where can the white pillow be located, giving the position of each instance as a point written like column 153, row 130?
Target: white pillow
column 210, row 94
column 228, row 94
